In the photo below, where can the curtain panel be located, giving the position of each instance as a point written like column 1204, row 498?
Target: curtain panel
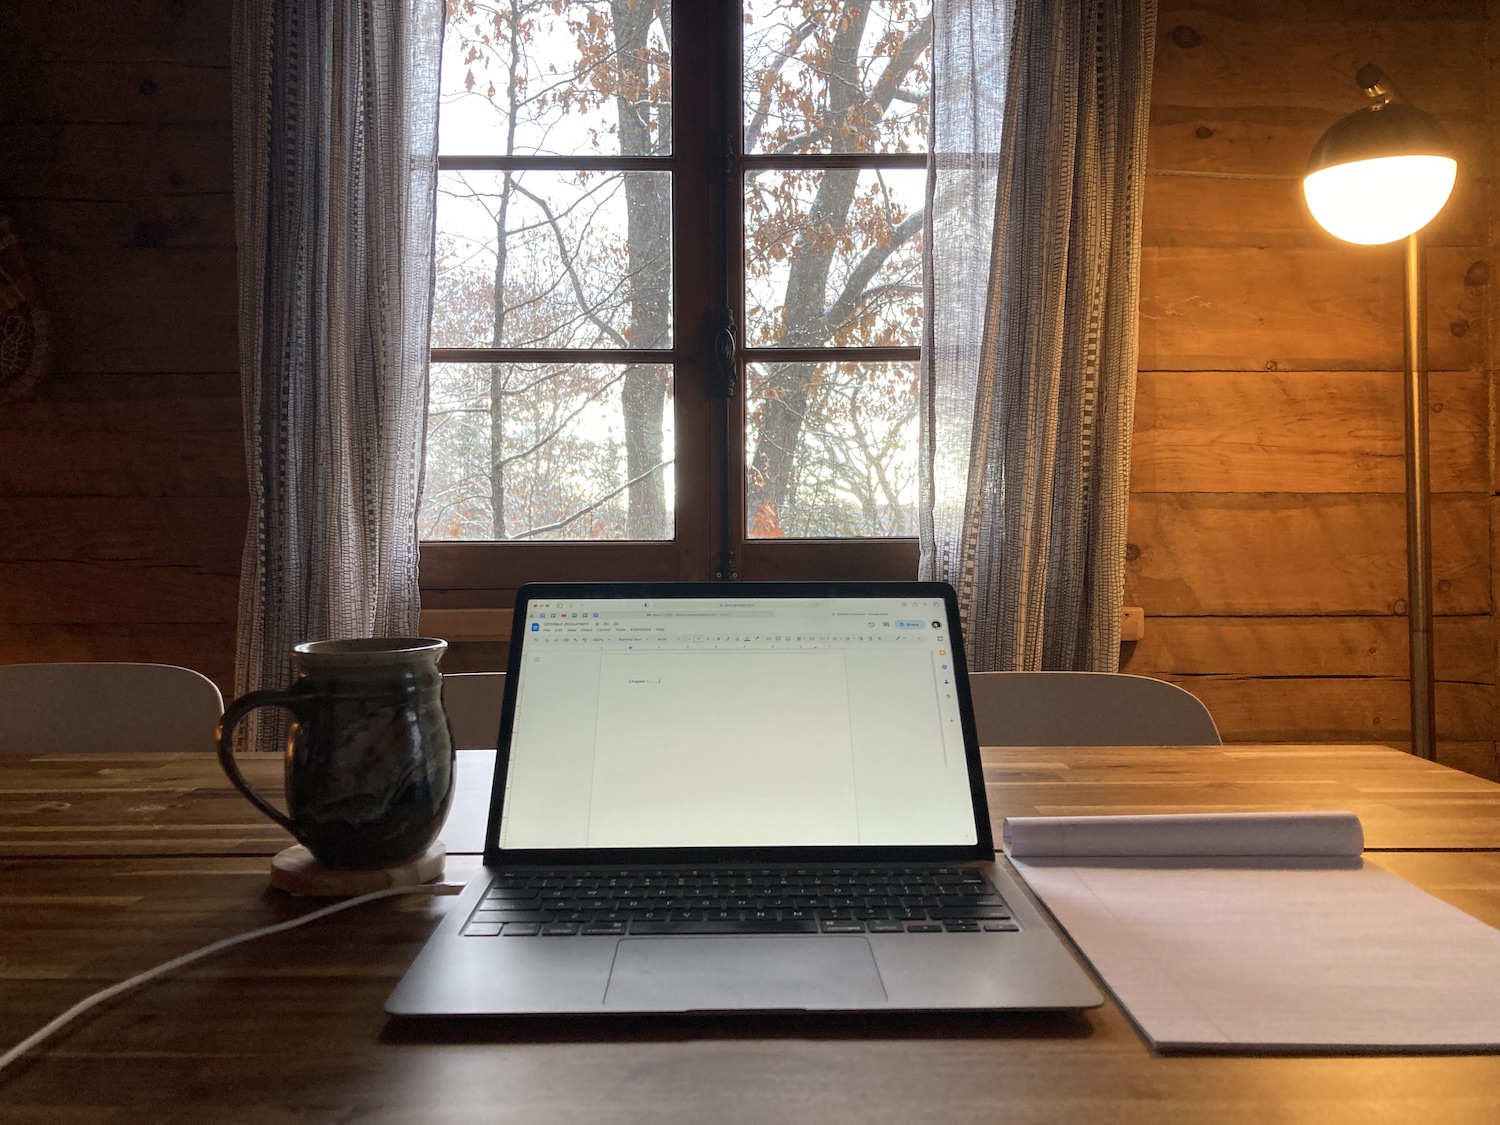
column 335, row 132
column 1040, row 112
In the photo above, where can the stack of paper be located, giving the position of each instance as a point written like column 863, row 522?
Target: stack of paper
column 1262, row 931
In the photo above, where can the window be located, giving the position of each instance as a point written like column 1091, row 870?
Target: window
column 679, row 291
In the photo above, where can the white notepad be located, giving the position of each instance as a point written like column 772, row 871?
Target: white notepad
column 1262, row 931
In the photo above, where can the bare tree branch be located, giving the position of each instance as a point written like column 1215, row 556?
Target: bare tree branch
column 567, row 261
column 891, row 79
column 561, row 426
column 854, row 291
column 794, row 40
column 596, row 504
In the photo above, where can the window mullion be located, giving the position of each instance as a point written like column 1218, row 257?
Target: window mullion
column 728, row 341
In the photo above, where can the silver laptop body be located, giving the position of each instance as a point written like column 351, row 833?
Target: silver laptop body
column 747, row 797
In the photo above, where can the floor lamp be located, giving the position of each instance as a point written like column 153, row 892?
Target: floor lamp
column 1381, row 175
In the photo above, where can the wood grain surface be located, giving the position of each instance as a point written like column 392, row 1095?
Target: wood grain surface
column 1262, row 709
column 1336, row 308
column 1267, row 463
column 1312, row 431
column 101, row 805
column 1402, row 801
column 1274, row 647
column 122, row 481
column 1299, row 553
column 290, row 1028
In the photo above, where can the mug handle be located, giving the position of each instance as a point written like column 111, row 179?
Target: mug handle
column 225, row 740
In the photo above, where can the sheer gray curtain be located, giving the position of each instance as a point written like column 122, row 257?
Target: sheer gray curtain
column 335, row 128
column 1040, row 112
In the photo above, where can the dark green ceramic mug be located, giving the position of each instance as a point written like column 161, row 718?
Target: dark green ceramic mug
column 369, row 757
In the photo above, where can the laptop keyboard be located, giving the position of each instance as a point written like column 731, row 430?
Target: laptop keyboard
column 760, row 900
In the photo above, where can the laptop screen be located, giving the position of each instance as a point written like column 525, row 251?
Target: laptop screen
column 735, row 722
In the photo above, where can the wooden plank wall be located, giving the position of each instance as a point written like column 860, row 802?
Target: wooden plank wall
column 1267, row 512
column 122, row 483
column 1266, row 521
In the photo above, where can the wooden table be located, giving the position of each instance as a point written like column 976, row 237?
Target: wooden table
column 181, row 804
column 110, row 864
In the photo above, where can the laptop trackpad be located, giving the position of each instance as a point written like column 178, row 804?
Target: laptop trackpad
column 719, row 973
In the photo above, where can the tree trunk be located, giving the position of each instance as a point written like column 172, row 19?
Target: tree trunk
column 807, row 289
column 648, row 211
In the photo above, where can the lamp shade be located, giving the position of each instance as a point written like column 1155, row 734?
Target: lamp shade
column 1380, row 174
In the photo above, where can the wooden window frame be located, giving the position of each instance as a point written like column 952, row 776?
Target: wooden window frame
column 708, row 168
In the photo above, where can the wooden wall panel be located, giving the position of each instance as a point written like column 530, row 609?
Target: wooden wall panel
column 117, row 448
column 1336, row 709
column 114, row 592
column 207, row 647
column 158, row 221
column 123, row 528
column 111, row 31
column 1232, row 309
column 1194, row 554
column 1313, row 431
column 476, row 656
column 463, row 598
column 122, row 481
column 1309, row 646
column 175, row 94
column 134, row 309
column 132, row 463
column 113, row 161
column 1267, row 519
column 1301, row 57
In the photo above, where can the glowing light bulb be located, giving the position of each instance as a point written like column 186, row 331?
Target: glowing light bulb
column 1382, row 199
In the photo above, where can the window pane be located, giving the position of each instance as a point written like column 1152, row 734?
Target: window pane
column 834, row 257
column 557, row 247
column 569, row 78
column 832, row 450
column 837, row 75
column 548, row 451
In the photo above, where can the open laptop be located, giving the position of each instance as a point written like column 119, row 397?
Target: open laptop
column 747, row 797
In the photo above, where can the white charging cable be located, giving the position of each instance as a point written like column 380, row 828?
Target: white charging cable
column 176, row 963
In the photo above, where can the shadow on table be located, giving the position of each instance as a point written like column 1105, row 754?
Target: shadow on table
column 795, row 1025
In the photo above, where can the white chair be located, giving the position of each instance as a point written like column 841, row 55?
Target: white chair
column 106, row 708
column 1086, row 709
column 472, row 701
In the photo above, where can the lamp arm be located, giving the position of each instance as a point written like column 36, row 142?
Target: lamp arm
column 1377, row 84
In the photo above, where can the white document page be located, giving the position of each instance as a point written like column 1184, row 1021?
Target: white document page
column 1276, row 952
column 698, row 777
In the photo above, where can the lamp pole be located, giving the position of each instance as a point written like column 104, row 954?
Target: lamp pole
column 1418, row 508
column 1376, row 176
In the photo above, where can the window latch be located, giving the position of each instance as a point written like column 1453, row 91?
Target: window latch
column 726, row 371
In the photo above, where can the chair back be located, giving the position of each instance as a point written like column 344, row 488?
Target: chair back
column 1086, row 709
column 472, row 701
column 106, row 708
